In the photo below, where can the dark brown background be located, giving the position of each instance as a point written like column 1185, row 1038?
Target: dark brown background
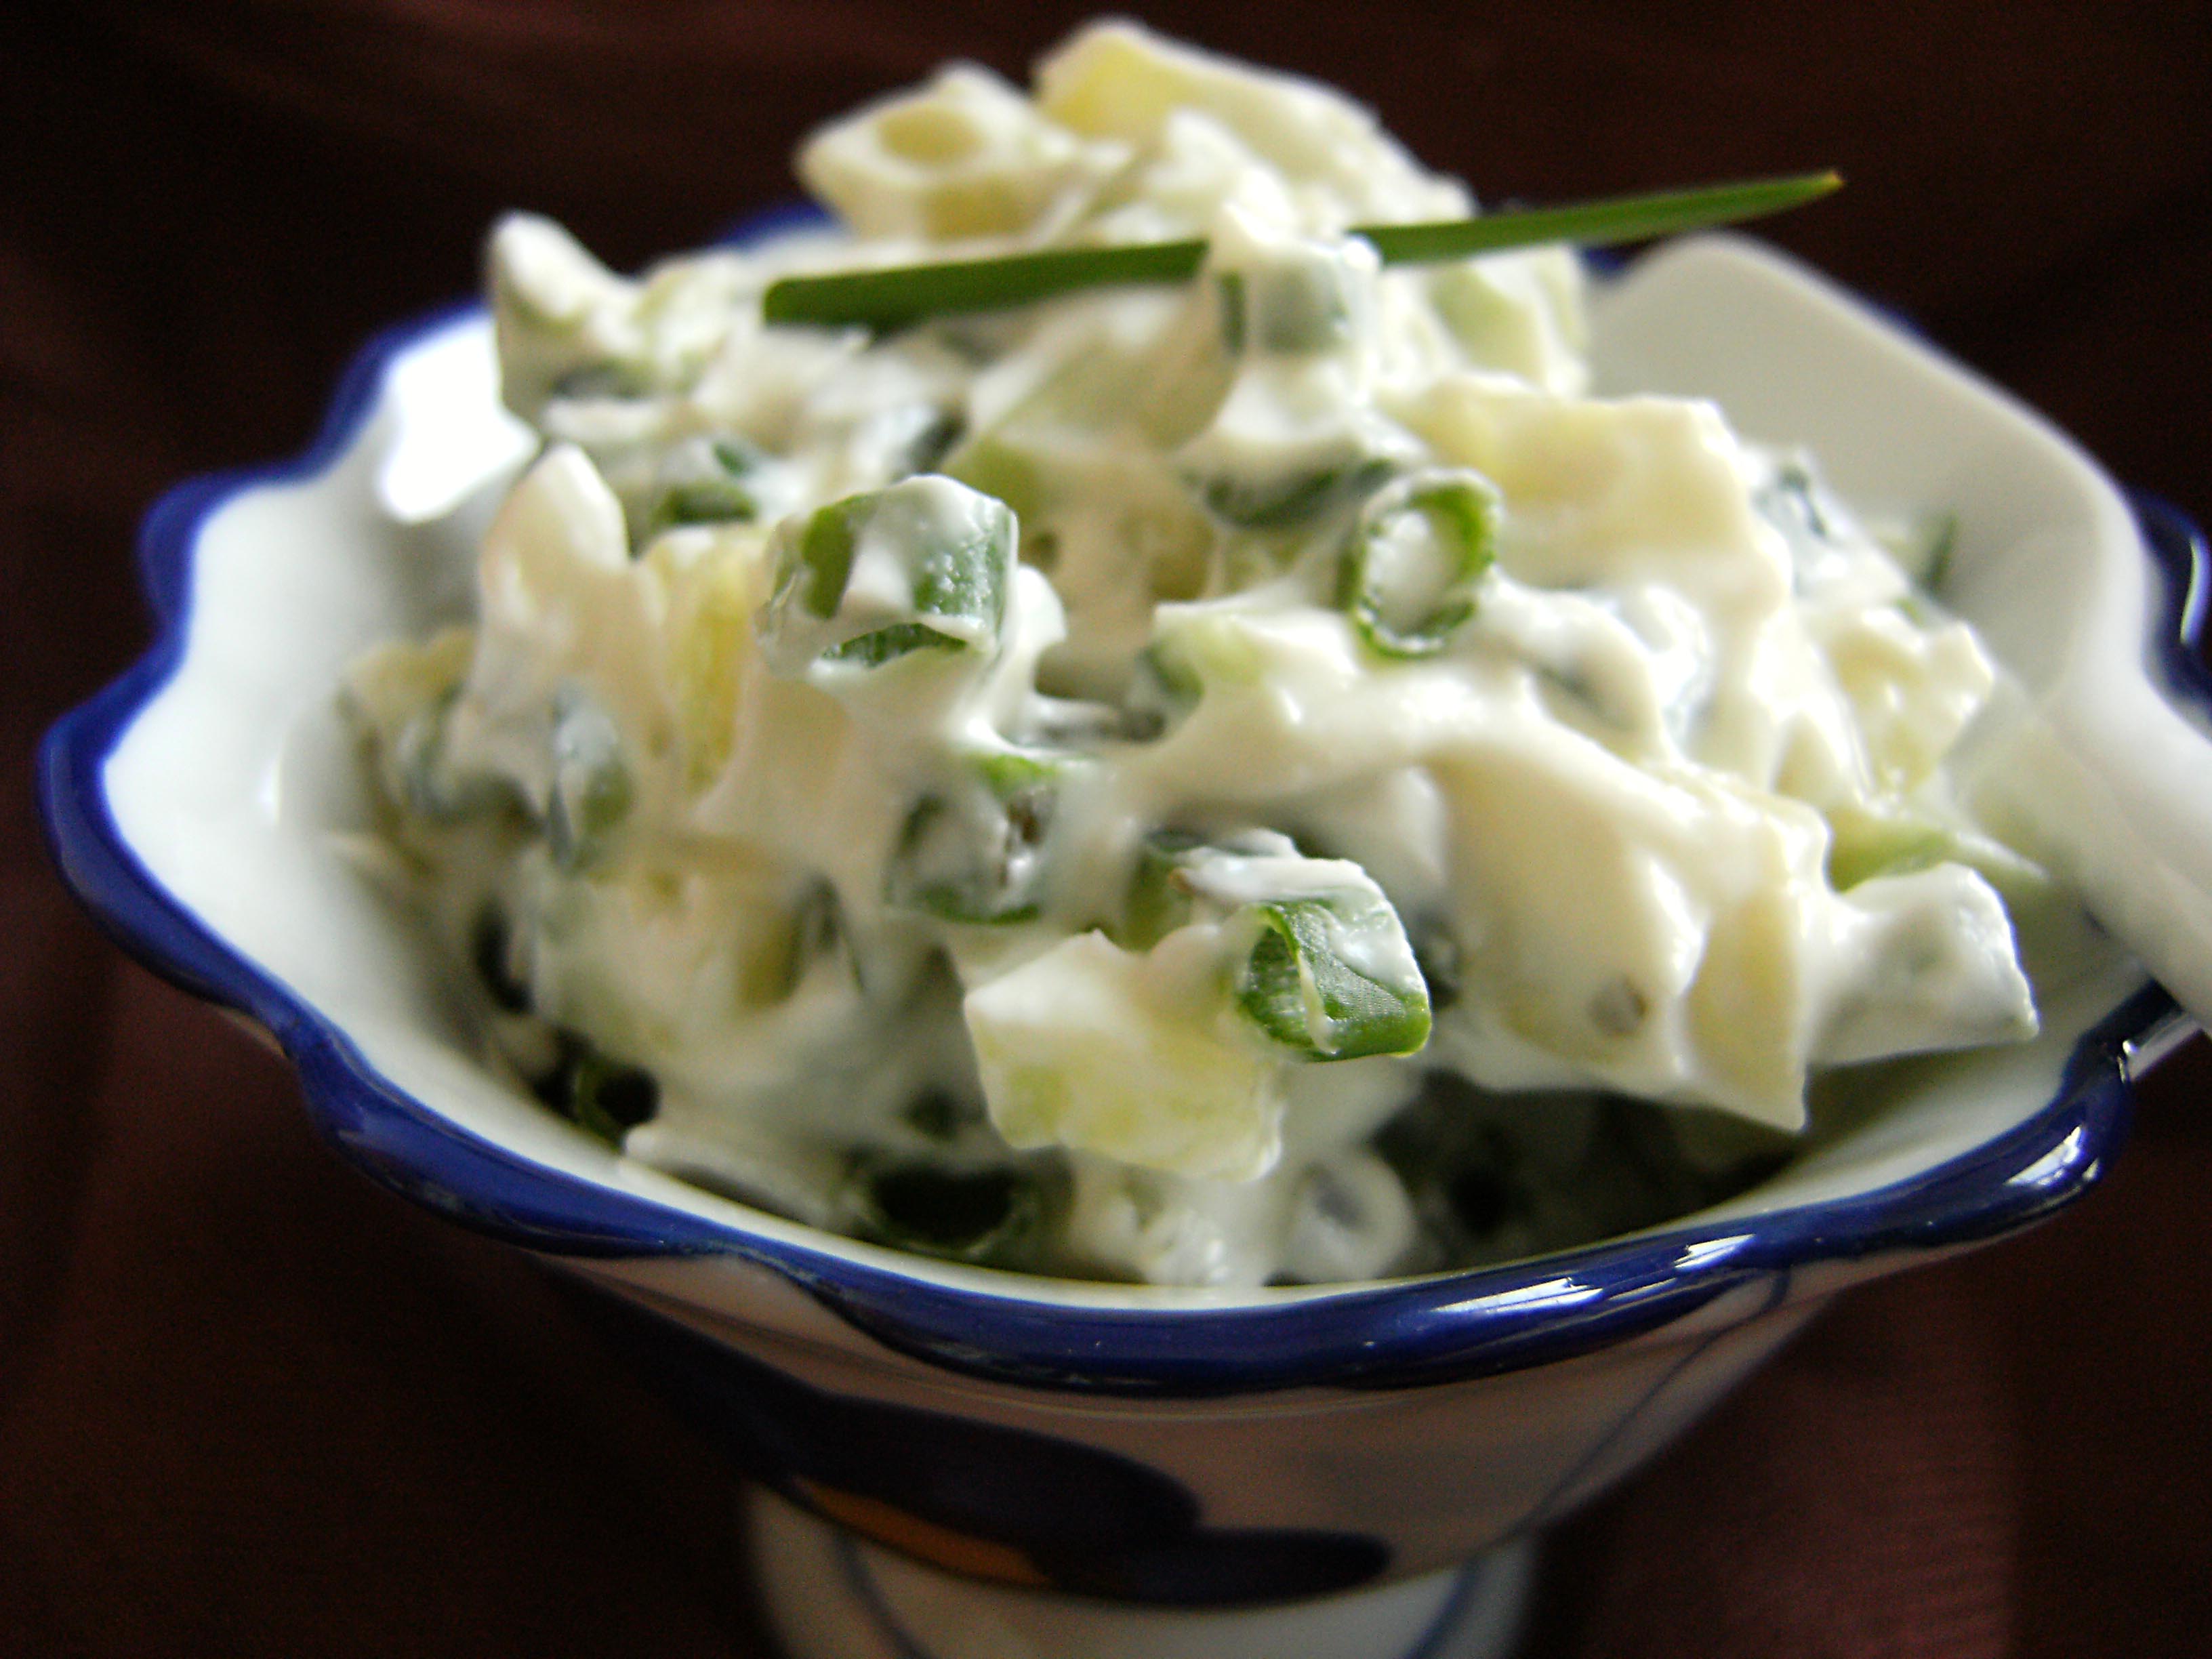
column 249, row 1405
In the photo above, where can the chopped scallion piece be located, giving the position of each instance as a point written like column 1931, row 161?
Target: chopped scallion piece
column 592, row 789
column 1329, row 974
column 978, row 1215
column 923, row 565
column 1412, row 565
column 975, row 852
column 1295, row 310
column 1275, row 501
column 601, row 1095
column 491, row 953
column 1314, row 983
column 706, row 482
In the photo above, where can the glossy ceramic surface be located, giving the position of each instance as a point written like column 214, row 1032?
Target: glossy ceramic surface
column 832, row 1596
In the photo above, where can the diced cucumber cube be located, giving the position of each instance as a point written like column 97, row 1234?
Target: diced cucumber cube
column 1292, row 307
column 1864, row 845
column 1128, row 1055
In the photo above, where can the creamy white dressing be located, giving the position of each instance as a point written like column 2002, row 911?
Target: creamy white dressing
column 1155, row 762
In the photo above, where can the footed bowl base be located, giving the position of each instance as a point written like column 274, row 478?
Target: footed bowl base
column 832, row 1595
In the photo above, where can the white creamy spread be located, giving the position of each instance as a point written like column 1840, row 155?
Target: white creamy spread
column 1056, row 786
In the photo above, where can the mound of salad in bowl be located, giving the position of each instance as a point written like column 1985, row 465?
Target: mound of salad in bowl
column 1263, row 778
column 1419, row 841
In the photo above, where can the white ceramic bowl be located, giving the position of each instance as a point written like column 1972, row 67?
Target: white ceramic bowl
column 1174, row 1448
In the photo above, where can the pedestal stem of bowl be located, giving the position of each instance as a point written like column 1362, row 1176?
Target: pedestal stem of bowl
column 832, row 1595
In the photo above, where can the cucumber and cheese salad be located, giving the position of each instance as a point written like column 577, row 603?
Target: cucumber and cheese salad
column 1258, row 778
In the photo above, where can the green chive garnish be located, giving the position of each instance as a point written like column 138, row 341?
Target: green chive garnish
column 894, row 297
column 899, row 295
column 1594, row 224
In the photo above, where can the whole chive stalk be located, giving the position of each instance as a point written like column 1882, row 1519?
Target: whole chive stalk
column 899, row 295
column 894, row 297
column 1594, row 224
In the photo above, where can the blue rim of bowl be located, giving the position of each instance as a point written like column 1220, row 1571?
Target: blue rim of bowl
column 1400, row 1333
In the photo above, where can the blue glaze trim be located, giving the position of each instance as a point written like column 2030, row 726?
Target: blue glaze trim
column 780, row 220
column 1411, row 1333
column 2184, row 565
